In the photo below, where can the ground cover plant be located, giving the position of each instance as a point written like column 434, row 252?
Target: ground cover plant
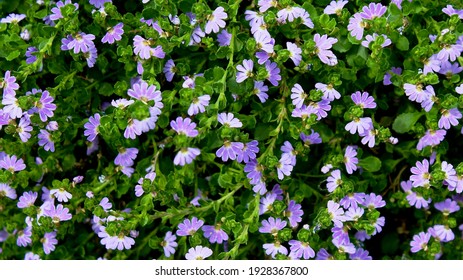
column 197, row 129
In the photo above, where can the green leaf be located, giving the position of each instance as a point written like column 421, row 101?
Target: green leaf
column 13, row 55
column 371, row 163
column 404, row 122
column 403, row 44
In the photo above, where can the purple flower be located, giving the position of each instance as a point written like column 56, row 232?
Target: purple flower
column 356, row 26
column 449, row 117
column 420, row 242
column 450, row 11
column 431, row 138
column 91, row 127
column 369, row 136
column 46, row 141
column 311, row 139
column 7, row 191
column 266, row 203
column 61, row 194
column 264, row 42
column 321, row 108
column 24, row 237
column 169, row 244
column 336, row 213
column 249, row 152
column 12, row 106
column 416, row 92
column 229, row 120
column 186, row 156
column 447, row 207
column 169, row 70
column 184, row 126
column 230, row 150
column 362, row 236
column 421, row 176
column 294, row 53
column 58, row 213
column 254, row 171
column 215, row 234
column 199, row 105
column 30, row 57
column 340, row 235
column 378, row 225
column 449, row 69
column 450, row 174
column 335, row 7
column 49, row 241
column 56, row 11
column 272, row 249
column 12, row 163
column 126, row 156
column 196, row 36
column 114, row 34
column 244, row 71
column 352, row 200
column 27, row 199
column 359, row 125
column 273, row 72
column 372, row 11
column 105, row 204
column 119, row 242
column 99, row 3
column 198, row 253
column 133, row 129
column 294, row 213
column 4, row 118
column 216, row 20
column 264, row 5
column 444, row 233
column 92, row 146
column 145, row 93
column 288, row 151
column 81, row 43
column 287, row 14
column 387, row 76
column 31, row 256
column 360, row 254
column 350, row 159
column 334, row 180
column 323, row 46
column 143, row 49
column 272, row 225
column 329, row 93
column 24, row 127
column 9, row 84
column 354, row 213
column 417, row 200
column 374, row 201
column 13, row 18
column 121, row 103
column 324, row 255
column 301, row 249
column 369, row 39
column 364, row 100
column 224, row 38
column 450, row 52
column 298, row 95
column 45, row 106
column 189, row 227
column 284, row 167
column 261, row 91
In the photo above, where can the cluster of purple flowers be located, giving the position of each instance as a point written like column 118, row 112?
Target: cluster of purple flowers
column 57, row 212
